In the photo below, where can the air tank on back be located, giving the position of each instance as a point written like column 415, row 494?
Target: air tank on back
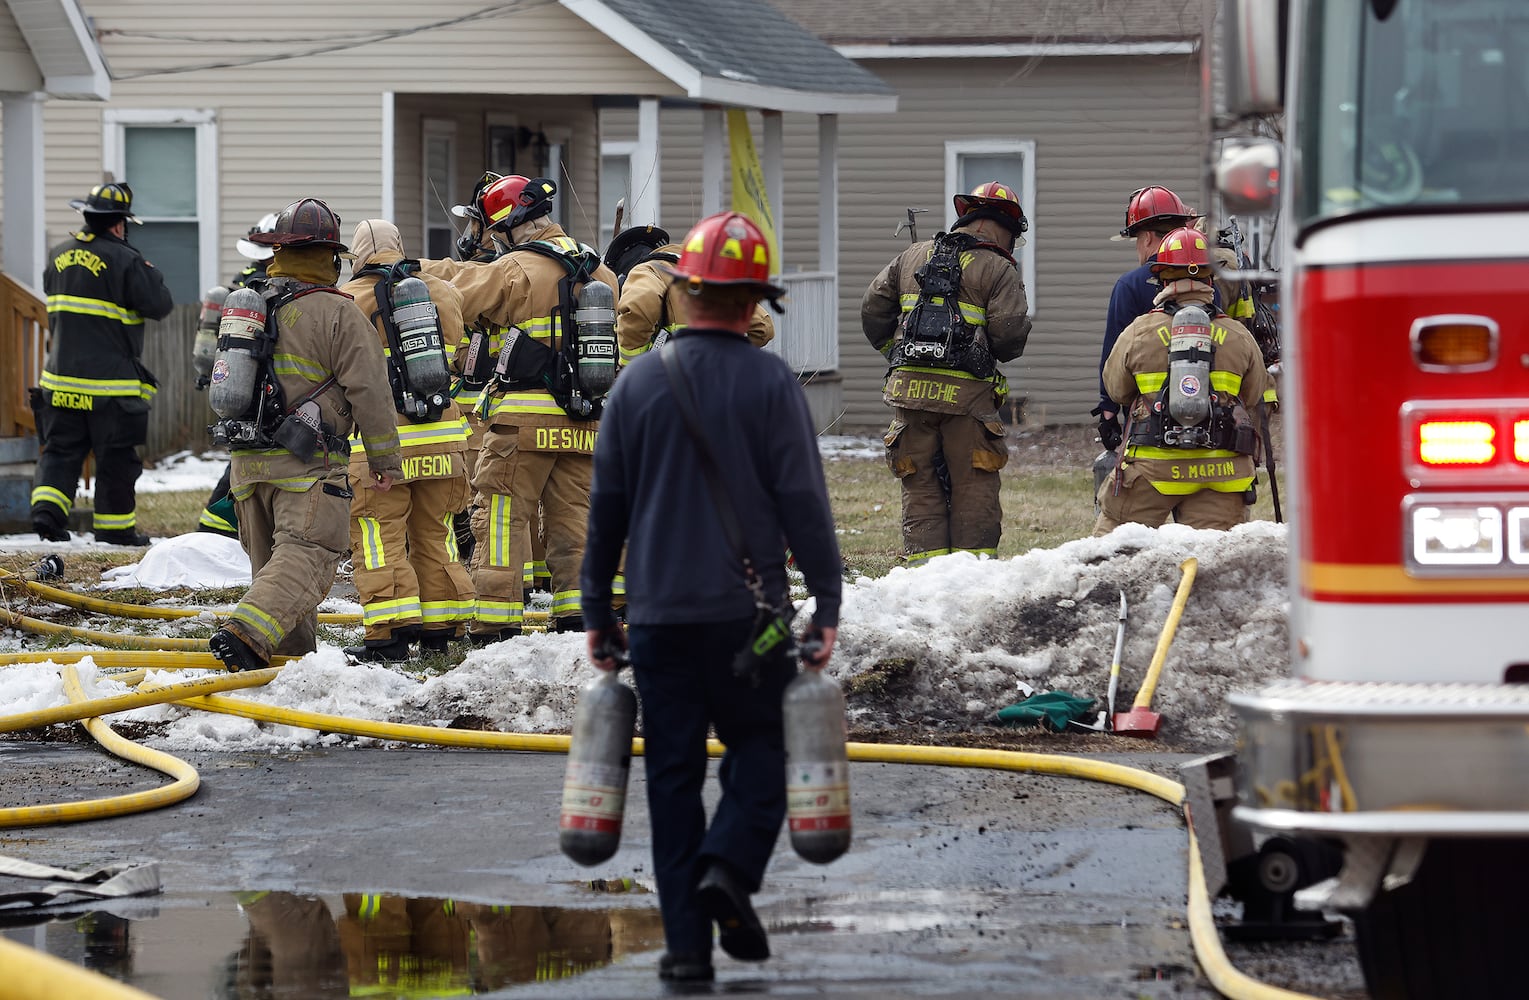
column 596, row 319
column 1189, row 356
column 419, row 338
column 236, row 366
column 599, row 759
column 204, row 348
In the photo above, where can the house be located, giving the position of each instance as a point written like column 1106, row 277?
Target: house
column 394, row 110
column 46, row 53
column 1074, row 104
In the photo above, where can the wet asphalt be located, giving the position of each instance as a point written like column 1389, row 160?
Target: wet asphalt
column 959, row 882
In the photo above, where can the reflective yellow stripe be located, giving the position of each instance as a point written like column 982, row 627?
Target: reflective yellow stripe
column 618, row 585
column 377, row 612
column 371, row 905
column 501, row 613
column 292, row 364
column 81, row 306
column 372, row 556
column 453, row 554
column 970, row 312
column 113, row 522
column 919, row 558
column 978, row 552
column 437, row 612
column 1271, row 395
column 248, row 614
column 1175, row 488
column 565, row 602
column 96, row 386
column 1148, row 383
column 525, row 401
column 946, row 372
column 439, row 432
column 1226, row 382
column 1176, row 454
column 628, row 356
column 211, row 520
column 47, row 494
column 498, row 530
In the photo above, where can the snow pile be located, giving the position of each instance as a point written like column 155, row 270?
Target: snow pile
column 943, row 647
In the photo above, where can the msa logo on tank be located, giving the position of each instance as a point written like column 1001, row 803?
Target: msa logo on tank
column 417, row 368
column 935, row 334
column 579, row 372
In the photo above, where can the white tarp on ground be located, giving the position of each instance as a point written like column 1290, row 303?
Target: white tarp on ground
column 199, row 559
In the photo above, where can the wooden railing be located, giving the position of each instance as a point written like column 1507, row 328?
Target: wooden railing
column 23, row 343
column 807, row 335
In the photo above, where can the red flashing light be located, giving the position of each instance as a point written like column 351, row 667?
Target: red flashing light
column 1465, row 442
column 1521, row 441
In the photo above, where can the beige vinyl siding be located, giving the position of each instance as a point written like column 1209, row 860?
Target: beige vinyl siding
column 18, row 70
column 313, row 125
column 1102, row 126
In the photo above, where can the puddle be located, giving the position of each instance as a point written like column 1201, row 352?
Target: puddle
column 292, row 946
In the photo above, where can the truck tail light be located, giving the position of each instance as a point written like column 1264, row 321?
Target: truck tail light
column 1462, row 442
column 1521, row 441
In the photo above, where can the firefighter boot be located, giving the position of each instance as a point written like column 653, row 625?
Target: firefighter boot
column 568, row 623
column 49, row 531
column 123, row 536
column 435, row 640
column 724, row 900
column 235, row 653
column 485, row 638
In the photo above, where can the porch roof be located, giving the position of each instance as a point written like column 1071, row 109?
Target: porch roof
column 738, row 52
column 64, row 48
column 911, row 22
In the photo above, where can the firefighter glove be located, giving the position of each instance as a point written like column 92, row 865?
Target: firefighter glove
column 1109, row 433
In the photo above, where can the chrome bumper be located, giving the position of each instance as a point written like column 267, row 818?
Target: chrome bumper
column 1348, row 760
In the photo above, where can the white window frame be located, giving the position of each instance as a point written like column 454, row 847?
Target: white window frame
column 955, row 149
column 436, row 128
column 205, row 121
column 612, row 147
column 558, row 138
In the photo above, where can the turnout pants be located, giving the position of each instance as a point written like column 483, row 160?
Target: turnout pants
column 685, row 682
column 294, row 541
column 404, row 551
column 513, row 482
column 111, row 428
column 968, row 518
column 1139, row 502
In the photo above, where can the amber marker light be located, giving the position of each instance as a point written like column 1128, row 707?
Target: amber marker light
column 1454, row 343
column 1457, row 442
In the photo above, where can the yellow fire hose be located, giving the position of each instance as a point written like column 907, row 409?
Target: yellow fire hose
column 34, row 967
column 81, row 709
column 36, row 975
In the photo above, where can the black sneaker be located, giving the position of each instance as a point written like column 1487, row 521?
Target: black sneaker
column 123, row 536
column 685, row 969
column 235, row 653
column 379, row 650
column 739, row 931
column 49, row 531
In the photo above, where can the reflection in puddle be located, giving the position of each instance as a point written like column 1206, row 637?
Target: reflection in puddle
column 362, row 944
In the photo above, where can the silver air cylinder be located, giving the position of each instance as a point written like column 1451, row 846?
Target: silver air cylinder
column 205, row 347
column 817, row 768
column 1189, row 356
column 235, row 367
column 599, row 757
column 419, row 338
column 596, row 320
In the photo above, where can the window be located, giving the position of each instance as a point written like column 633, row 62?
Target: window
column 615, row 184
column 439, row 145
column 169, row 158
column 1011, row 161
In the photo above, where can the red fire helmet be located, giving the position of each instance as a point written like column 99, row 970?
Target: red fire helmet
column 727, row 249
column 1186, row 247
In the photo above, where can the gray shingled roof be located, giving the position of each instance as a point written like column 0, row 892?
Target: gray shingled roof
column 978, row 22
column 746, row 42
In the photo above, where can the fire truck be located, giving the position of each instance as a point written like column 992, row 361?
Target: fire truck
column 1400, row 740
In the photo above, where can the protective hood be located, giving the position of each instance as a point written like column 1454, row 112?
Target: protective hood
column 376, row 241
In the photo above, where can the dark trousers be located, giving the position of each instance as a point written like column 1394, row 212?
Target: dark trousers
column 112, row 429
column 685, row 681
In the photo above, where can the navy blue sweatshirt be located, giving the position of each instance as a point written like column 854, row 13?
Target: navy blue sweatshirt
column 651, row 494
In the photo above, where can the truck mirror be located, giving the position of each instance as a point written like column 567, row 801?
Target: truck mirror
column 1252, row 41
column 1247, row 176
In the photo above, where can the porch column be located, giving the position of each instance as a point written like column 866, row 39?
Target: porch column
column 774, row 175
column 712, row 145
column 643, row 211
column 828, row 193
column 388, row 154
column 22, row 229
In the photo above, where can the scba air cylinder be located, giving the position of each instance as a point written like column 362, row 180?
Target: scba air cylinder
column 204, row 349
column 236, row 366
column 596, row 319
column 599, row 759
column 817, row 768
column 419, row 338
column 1189, row 357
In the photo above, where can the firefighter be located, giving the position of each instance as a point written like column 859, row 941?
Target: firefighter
column 95, row 391
column 943, row 384
column 1151, row 214
column 651, row 304
column 294, row 512
column 293, row 949
column 1201, row 474
column 401, row 947
column 218, row 515
column 538, row 446
column 411, row 581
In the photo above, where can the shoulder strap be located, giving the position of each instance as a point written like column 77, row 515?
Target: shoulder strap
column 675, row 371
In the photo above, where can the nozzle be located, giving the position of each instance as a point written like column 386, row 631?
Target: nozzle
column 49, row 567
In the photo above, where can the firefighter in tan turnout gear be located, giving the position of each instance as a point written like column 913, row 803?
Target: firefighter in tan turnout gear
column 944, row 313
column 651, row 305
column 543, row 403
column 407, row 568
column 297, row 368
column 1187, row 376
